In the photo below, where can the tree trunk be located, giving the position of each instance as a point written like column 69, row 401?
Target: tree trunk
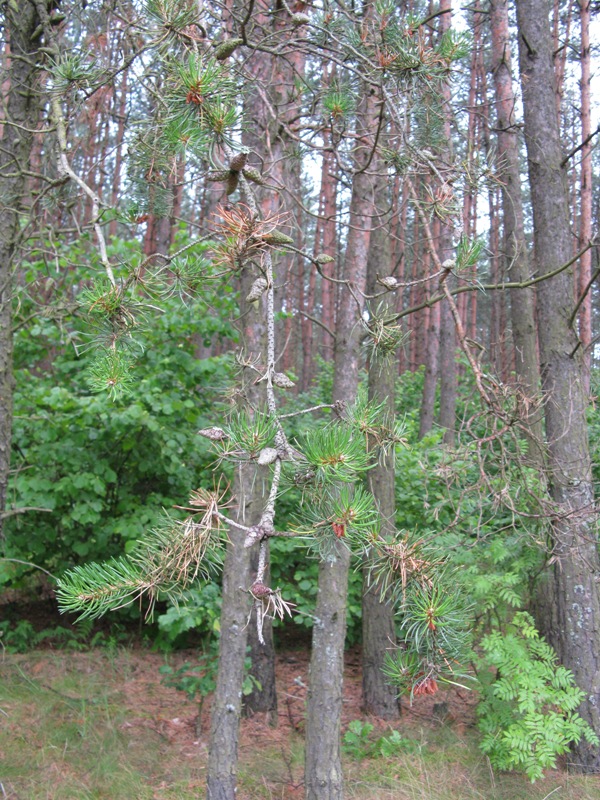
column 329, row 182
column 21, row 22
column 237, row 578
column 516, row 259
column 323, row 769
column 378, row 623
column 576, row 566
column 585, row 218
column 448, row 373
column 263, row 695
column 266, row 139
column 432, row 346
column 448, row 376
column 227, row 699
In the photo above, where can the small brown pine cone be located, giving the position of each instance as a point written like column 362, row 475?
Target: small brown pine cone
column 259, row 590
column 238, row 162
column 232, row 182
column 282, row 381
column 215, row 434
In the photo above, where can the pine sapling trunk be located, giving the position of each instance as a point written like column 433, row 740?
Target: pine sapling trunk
column 378, row 618
column 323, row 768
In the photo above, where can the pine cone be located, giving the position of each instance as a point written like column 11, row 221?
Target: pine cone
column 215, row 434
column 232, row 182
column 225, row 49
column 276, row 237
column 389, row 282
column 259, row 590
column 300, row 19
column 217, row 175
column 253, row 175
column 323, row 258
column 282, row 380
column 267, row 456
column 258, row 288
column 238, row 162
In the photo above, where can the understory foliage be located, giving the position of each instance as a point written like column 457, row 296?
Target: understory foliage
column 527, row 714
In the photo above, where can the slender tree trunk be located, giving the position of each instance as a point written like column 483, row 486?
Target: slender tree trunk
column 378, row 623
column 120, row 140
column 267, row 140
column 514, row 245
column 448, row 370
column 329, row 181
column 585, row 219
column 447, row 367
column 575, row 572
column 237, row 578
column 496, row 334
column 323, row 768
column 431, row 361
column 21, row 23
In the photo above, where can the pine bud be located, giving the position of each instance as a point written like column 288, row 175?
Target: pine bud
column 225, row 49
column 257, row 289
column 215, row 434
column 267, row 456
column 238, row 161
column 282, row 380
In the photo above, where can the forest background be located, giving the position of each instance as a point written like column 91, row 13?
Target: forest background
column 218, row 216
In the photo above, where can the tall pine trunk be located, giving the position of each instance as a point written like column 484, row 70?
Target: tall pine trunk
column 447, row 355
column 21, row 25
column 323, row 767
column 573, row 581
column 585, row 219
column 516, row 259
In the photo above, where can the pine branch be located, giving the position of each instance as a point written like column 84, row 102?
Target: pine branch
column 93, row 589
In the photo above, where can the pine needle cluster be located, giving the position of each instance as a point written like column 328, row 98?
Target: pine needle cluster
column 164, row 563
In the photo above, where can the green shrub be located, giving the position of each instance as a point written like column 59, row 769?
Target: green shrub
column 527, row 710
column 101, row 472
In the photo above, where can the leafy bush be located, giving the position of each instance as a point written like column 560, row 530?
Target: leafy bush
column 198, row 610
column 97, row 474
column 527, row 711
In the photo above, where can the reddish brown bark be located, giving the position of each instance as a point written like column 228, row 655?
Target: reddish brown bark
column 585, row 214
column 514, row 247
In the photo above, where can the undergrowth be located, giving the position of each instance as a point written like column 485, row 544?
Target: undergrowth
column 77, row 726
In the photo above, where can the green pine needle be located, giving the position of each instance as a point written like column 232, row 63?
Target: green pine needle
column 336, row 453
column 112, row 372
column 93, row 589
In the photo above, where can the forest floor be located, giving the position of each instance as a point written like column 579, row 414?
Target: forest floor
column 100, row 724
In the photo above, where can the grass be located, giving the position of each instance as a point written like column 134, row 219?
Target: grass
column 99, row 725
